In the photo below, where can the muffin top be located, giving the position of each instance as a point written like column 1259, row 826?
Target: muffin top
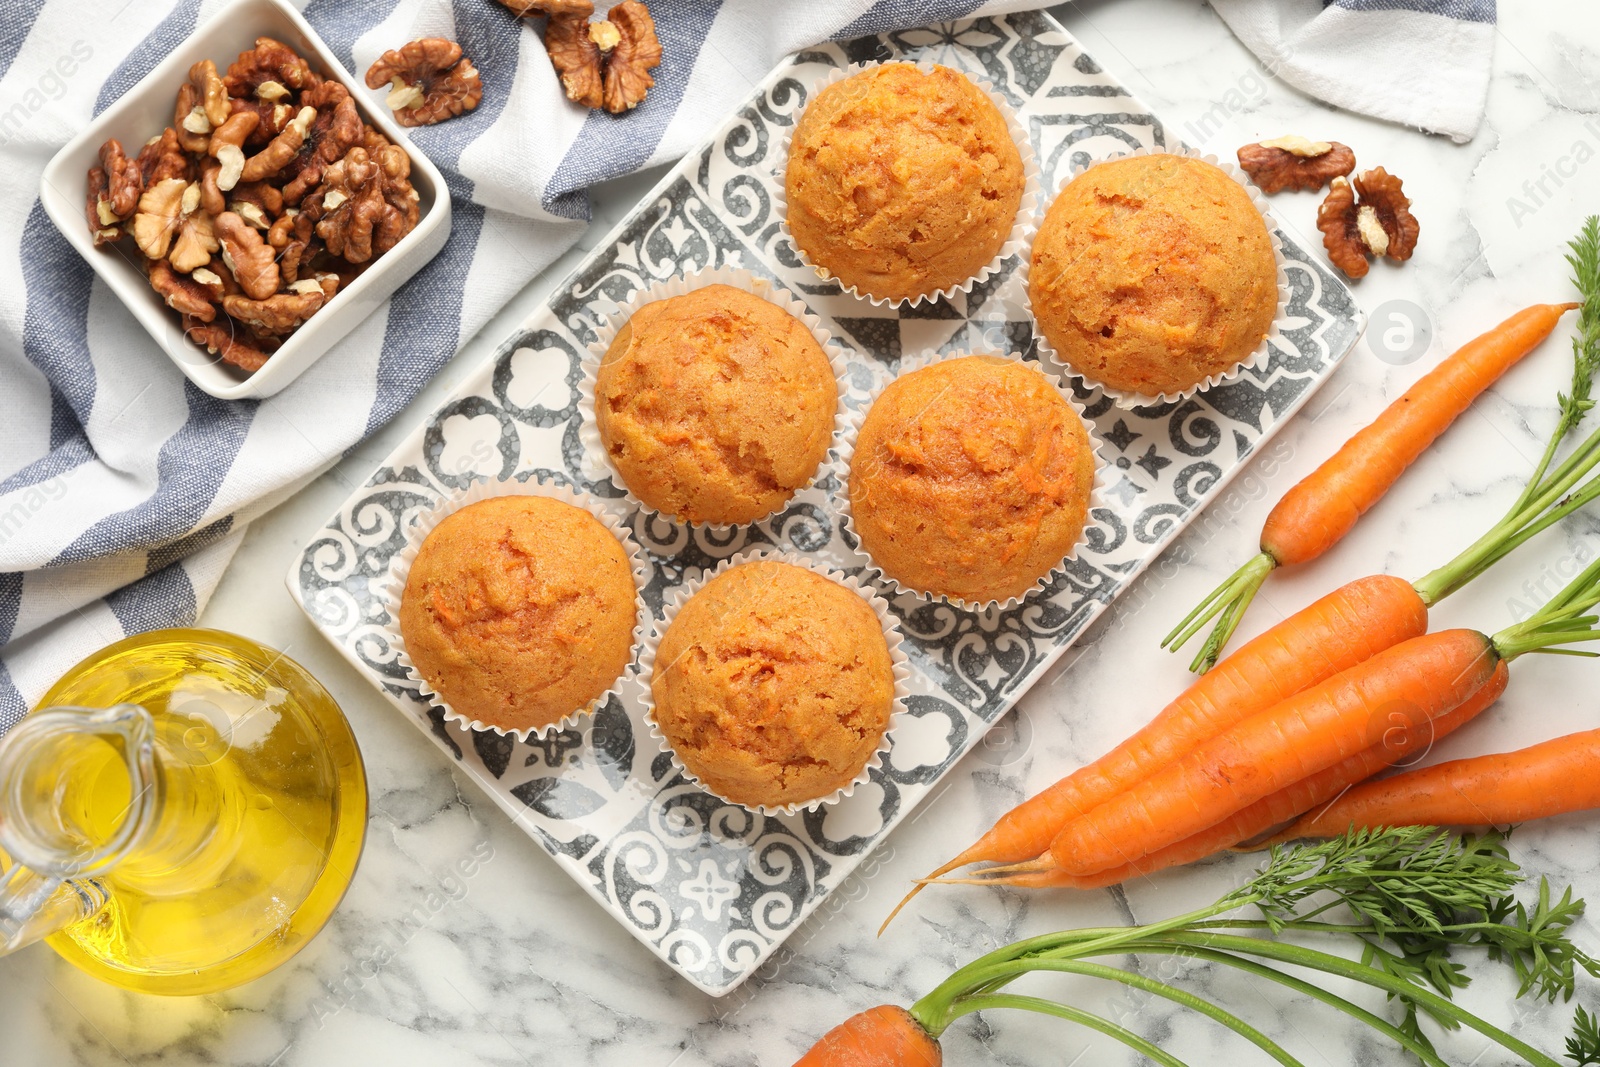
column 715, row 406
column 971, row 478
column 1152, row 273
column 519, row 610
column 773, row 685
column 901, row 182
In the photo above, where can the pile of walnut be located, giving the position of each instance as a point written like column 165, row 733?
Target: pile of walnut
column 601, row 64
column 1369, row 216
column 266, row 195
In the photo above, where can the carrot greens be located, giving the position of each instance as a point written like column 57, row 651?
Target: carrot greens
column 1583, row 257
column 1583, row 1047
column 1410, row 901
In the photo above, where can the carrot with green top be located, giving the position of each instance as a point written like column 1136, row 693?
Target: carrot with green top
column 1317, row 512
column 1343, row 629
column 1414, row 894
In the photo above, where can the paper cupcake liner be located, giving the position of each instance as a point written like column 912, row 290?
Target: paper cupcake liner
column 595, row 464
column 1097, row 491
column 898, row 665
column 1257, row 357
column 393, row 588
column 1016, row 243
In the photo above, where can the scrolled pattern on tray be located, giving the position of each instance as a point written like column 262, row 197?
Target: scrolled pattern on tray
column 710, row 888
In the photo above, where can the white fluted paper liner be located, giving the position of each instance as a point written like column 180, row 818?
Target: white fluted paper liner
column 898, row 665
column 1097, row 489
column 1016, row 242
column 595, row 465
column 1257, row 357
column 393, row 588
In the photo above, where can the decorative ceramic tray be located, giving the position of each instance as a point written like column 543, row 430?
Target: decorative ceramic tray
column 709, row 888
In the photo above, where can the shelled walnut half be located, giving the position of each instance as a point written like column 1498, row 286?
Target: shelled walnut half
column 1368, row 217
column 1295, row 163
column 115, row 187
column 601, row 64
column 172, row 225
column 231, row 341
column 429, row 81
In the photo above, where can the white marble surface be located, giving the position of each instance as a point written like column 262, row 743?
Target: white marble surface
column 514, row 965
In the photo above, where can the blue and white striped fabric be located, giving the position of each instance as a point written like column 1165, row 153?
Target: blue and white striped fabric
column 124, row 491
column 1423, row 63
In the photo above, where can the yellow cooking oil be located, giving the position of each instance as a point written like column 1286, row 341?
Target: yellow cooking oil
column 260, row 816
column 84, row 779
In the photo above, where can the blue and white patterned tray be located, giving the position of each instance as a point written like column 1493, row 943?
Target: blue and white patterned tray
column 709, row 888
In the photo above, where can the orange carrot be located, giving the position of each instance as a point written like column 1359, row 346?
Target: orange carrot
column 1402, row 740
column 1546, row 779
column 885, row 1036
column 1317, row 512
column 1422, row 679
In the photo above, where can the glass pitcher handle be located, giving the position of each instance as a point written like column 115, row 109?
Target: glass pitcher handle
column 51, row 881
column 34, row 906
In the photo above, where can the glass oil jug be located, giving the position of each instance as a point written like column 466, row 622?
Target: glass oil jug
column 182, row 814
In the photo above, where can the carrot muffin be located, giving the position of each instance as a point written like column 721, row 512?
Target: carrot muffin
column 773, row 684
column 715, row 406
column 971, row 478
column 902, row 183
column 519, row 610
column 1152, row 273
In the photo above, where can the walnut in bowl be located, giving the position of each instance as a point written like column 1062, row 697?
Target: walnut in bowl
column 249, row 250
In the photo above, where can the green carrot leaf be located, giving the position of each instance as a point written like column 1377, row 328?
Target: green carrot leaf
column 1410, row 880
column 1583, row 1047
column 1419, row 965
column 1534, row 942
column 1584, row 258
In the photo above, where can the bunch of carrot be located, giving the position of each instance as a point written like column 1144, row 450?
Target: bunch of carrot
column 1343, row 688
column 1219, row 772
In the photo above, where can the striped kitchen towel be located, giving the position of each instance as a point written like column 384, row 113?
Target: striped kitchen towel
column 124, row 490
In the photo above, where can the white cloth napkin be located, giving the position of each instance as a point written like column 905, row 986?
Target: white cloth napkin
column 1423, row 63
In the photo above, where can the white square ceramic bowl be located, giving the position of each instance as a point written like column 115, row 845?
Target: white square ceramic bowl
column 145, row 110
